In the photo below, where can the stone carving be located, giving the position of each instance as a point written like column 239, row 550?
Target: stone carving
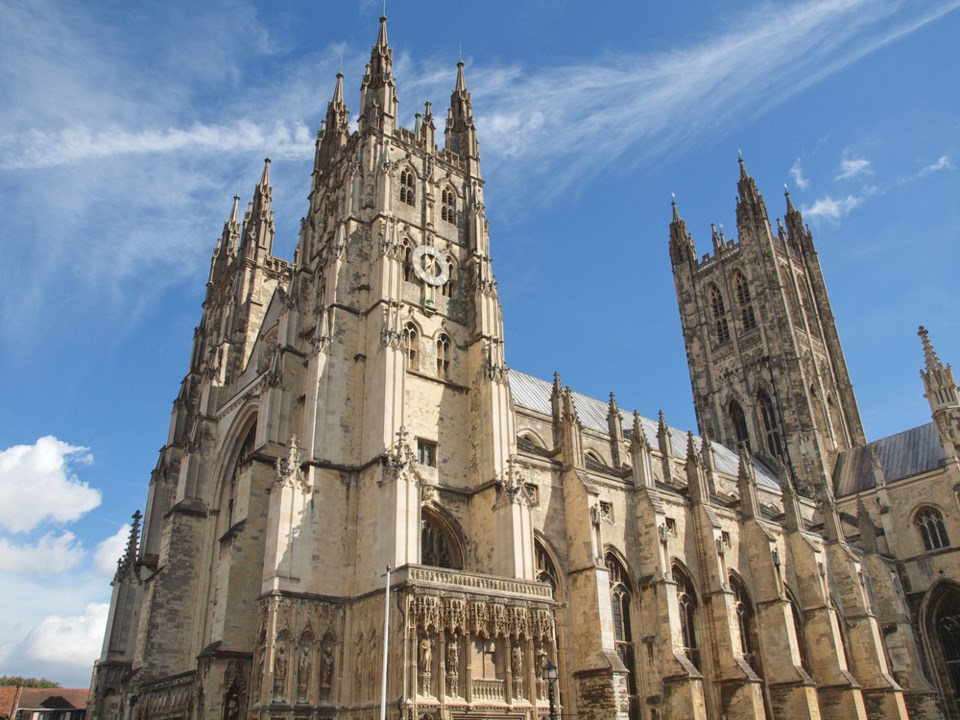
column 511, row 484
column 280, row 673
column 425, row 663
column 303, row 674
column 400, row 462
column 326, row 668
column 289, row 473
column 516, row 663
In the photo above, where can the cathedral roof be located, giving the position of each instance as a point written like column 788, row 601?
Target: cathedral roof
column 534, row 394
column 908, row 453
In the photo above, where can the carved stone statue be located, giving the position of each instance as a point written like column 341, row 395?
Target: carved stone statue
column 326, row 668
column 280, row 673
column 426, row 654
column 516, row 663
column 453, row 657
column 303, row 674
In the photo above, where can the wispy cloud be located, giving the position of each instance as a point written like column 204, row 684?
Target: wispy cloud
column 829, row 208
column 943, row 163
column 104, row 129
column 796, row 173
column 852, row 167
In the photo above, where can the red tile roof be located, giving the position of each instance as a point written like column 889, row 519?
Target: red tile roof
column 57, row 698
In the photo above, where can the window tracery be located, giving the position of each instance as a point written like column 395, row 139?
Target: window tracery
column 746, row 627
column 411, row 344
column 768, row 420
column 620, row 597
column 448, row 206
column 933, row 532
column 719, row 315
column 742, row 291
column 438, row 547
column 739, row 422
column 408, row 193
column 443, row 355
column 687, row 601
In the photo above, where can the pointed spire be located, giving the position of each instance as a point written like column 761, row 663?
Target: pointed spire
column 335, row 129
column 133, row 541
column 750, row 205
column 612, row 409
column 378, row 95
column 258, row 227
column 640, row 455
column 796, row 230
column 461, row 135
column 694, row 466
column 557, row 390
column 929, row 354
column 638, row 438
column 681, row 243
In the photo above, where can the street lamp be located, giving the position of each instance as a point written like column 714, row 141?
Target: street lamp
column 549, row 673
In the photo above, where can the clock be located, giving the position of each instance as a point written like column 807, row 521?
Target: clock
column 429, row 266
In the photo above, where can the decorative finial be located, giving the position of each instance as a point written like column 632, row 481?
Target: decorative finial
column 740, row 154
column 673, row 198
column 460, row 52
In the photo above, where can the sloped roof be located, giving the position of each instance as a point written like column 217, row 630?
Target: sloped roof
column 54, row 698
column 901, row 456
column 534, row 394
column 8, row 700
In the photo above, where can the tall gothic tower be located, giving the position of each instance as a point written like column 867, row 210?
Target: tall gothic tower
column 342, row 415
column 765, row 360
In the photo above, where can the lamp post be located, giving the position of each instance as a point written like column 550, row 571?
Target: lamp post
column 549, row 673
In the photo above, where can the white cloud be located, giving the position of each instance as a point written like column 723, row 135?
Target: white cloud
column 36, row 484
column 943, row 163
column 833, row 209
column 50, row 554
column 852, row 167
column 74, row 640
column 796, row 172
column 110, row 550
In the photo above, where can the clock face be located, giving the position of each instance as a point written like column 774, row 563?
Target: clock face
column 429, row 266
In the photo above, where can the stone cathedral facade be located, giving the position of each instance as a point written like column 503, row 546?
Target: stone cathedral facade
column 352, row 411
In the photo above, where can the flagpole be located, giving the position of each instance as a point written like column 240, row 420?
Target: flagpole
column 386, row 646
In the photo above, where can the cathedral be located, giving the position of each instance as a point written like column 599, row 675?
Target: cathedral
column 361, row 512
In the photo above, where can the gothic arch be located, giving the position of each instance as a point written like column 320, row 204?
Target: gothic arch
column 441, row 540
column 718, row 312
column 547, row 567
column 927, row 519
column 408, row 180
column 449, row 288
column 689, row 606
column 799, row 627
column 940, row 628
column 532, row 437
column 412, row 345
column 746, row 622
column 595, row 456
column 245, row 420
column 622, row 601
column 407, row 246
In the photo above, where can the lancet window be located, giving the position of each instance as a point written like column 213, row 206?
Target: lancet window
column 546, row 571
column 443, row 355
column 944, row 624
column 739, row 423
column 929, row 522
column 687, row 600
column 407, row 261
column 411, row 344
column 746, row 626
column 448, row 206
column 447, row 290
column 768, row 420
column 719, row 315
column 742, row 291
column 620, row 597
column 408, row 193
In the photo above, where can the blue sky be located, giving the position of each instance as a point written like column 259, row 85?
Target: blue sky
column 125, row 130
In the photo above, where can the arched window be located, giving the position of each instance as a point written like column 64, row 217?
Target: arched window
column 407, row 260
column 447, row 290
column 546, row 570
column 929, row 522
column 448, row 206
column 739, row 423
column 411, row 344
column 620, row 596
column 443, row 355
column 438, row 544
column 798, row 628
column 943, row 634
column 742, row 291
column 408, row 193
column 746, row 627
column 687, row 600
column 768, row 420
column 719, row 315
